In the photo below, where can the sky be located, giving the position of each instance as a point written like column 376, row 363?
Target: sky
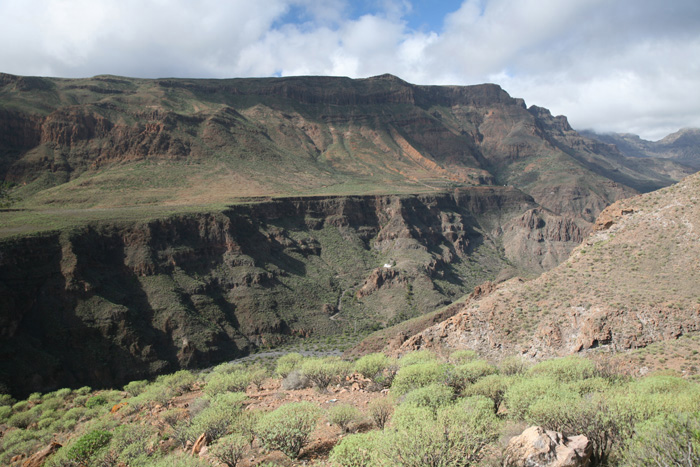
column 608, row 65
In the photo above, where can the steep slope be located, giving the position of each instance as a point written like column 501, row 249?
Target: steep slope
column 109, row 141
column 682, row 146
column 114, row 301
column 631, row 283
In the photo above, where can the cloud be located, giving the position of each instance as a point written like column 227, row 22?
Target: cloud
column 622, row 65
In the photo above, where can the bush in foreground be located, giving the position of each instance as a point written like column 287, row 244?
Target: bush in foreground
column 288, row 427
column 344, row 415
column 323, row 371
column 229, row 450
column 665, row 440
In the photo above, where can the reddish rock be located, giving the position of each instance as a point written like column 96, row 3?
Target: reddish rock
column 199, row 444
column 38, row 459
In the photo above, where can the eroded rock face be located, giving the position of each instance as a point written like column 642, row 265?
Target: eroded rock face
column 106, row 304
column 537, row 447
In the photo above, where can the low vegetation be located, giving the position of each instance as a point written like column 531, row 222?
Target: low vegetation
column 454, row 411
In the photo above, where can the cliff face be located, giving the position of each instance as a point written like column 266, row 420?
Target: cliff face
column 107, row 303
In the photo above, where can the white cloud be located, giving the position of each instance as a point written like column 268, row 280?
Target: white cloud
column 621, row 65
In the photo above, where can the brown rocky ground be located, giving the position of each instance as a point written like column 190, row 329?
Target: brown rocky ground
column 630, row 284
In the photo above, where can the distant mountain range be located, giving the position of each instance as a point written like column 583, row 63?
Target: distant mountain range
column 682, row 146
column 110, row 141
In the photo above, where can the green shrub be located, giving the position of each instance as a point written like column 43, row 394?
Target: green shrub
column 288, row 363
column 246, row 423
column 52, row 403
column 5, row 413
column 344, row 415
column 521, row 394
column 359, row 450
column 432, row 397
column 6, row 400
column 380, row 411
column 323, row 371
column 372, row 365
column 456, row 436
column 565, row 369
column 20, row 406
column 178, row 382
column 134, row 388
column 84, row 391
column 418, row 375
column 84, row 450
column 217, row 419
column 133, row 444
column 512, row 365
column 62, row 394
column 179, row 460
column 257, row 375
column 75, row 414
column 417, row 357
column 95, row 401
column 460, row 357
column 492, row 386
column 665, row 440
column 23, row 419
column 229, row 450
column 236, row 381
column 288, row 427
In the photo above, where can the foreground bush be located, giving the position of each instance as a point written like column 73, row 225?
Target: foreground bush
column 288, row 363
column 380, row 411
column 417, row 375
column 455, row 436
column 372, row 365
column 217, row 420
column 288, row 428
column 344, row 415
column 323, row 371
column 83, row 451
column 565, row 369
column 433, row 397
column 665, row 440
column 236, row 381
column 229, row 450
column 134, row 444
column 360, row 450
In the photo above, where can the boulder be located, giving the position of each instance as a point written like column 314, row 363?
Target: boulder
column 200, row 444
column 536, row 447
column 38, row 459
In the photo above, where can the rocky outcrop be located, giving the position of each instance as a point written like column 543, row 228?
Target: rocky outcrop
column 628, row 285
column 537, row 447
column 191, row 290
column 39, row 458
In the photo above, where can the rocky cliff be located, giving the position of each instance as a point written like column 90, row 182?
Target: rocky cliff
column 110, row 302
column 631, row 283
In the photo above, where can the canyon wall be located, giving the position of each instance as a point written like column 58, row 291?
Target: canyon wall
column 111, row 302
